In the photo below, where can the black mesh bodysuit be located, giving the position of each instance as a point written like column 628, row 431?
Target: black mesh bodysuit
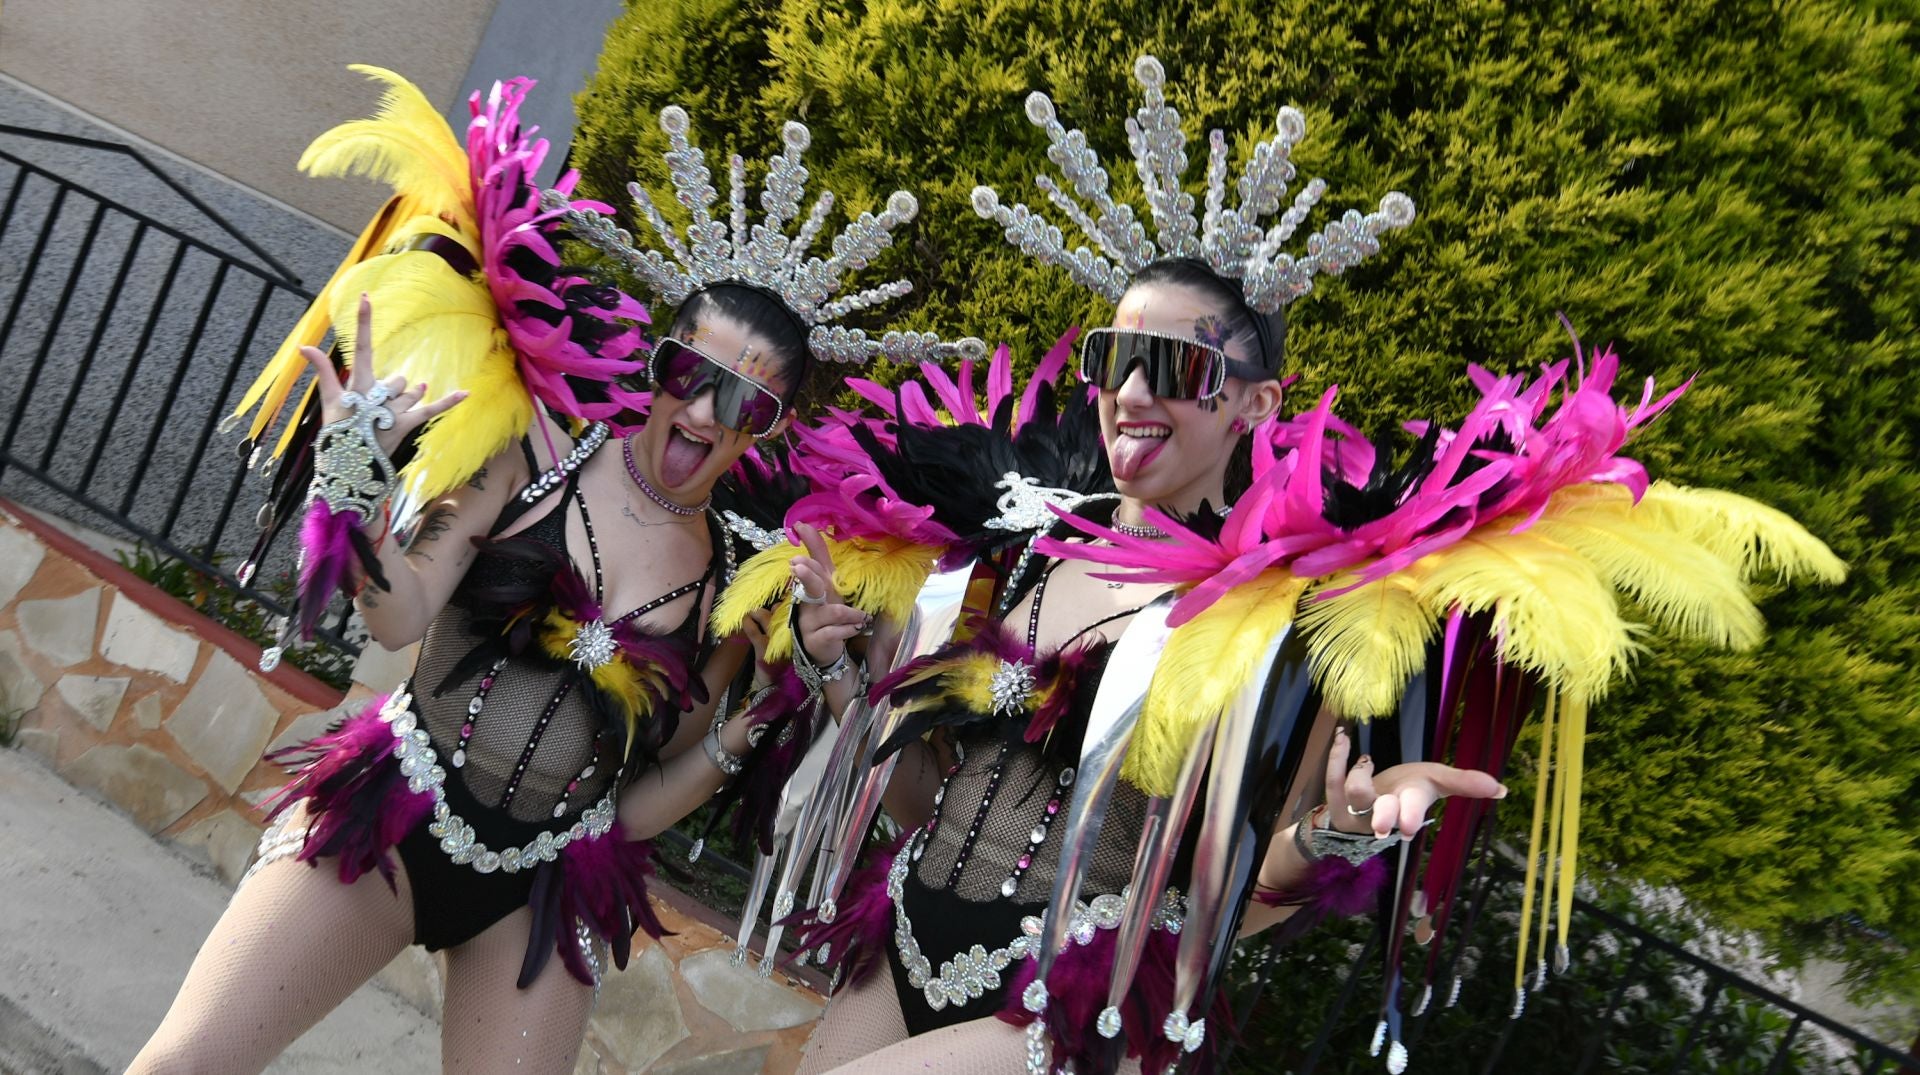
column 525, row 742
column 981, row 870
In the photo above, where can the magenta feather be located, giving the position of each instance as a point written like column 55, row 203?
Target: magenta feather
column 856, row 940
column 564, row 327
column 358, row 803
column 1077, row 989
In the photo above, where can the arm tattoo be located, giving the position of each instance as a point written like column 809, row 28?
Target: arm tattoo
column 436, row 524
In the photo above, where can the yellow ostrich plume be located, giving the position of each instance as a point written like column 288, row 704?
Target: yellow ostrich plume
column 1552, row 611
column 880, row 577
column 433, row 325
column 965, row 680
column 1205, row 663
column 409, row 146
column 1745, row 533
column 405, row 144
column 1683, row 586
column 1366, row 643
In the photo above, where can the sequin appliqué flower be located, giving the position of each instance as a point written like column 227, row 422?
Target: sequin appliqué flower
column 592, row 645
column 1011, row 686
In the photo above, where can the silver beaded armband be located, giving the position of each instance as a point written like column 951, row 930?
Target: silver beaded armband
column 723, row 759
column 350, row 471
column 1315, row 843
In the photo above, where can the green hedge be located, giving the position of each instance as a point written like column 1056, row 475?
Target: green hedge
column 1722, row 188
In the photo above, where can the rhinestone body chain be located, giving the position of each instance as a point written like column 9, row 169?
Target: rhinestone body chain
column 420, row 764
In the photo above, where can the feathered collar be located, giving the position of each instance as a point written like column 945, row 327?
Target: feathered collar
column 535, row 606
column 994, row 679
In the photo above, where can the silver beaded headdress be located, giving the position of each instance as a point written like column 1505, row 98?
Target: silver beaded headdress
column 765, row 256
column 1229, row 241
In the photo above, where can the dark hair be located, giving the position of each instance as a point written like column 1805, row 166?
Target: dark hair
column 760, row 313
column 1267, row 333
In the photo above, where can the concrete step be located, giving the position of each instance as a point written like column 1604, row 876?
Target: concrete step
column 98, row 924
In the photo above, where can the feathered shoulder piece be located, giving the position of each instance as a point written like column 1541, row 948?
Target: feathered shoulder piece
column 916, row 482
column 1490, row 564
column 990, row 469
column 468, row 290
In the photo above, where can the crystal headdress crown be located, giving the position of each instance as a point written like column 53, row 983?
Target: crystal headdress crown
column 1230, row 241
column 716, row 252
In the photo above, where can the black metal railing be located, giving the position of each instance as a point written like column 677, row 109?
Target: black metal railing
column 1589, row 1013
column 123, row 343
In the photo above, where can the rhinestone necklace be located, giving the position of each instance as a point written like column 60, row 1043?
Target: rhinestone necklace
column 655, row 495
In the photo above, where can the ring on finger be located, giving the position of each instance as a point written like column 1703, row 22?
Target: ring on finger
column 804, row 596
column 1351, row 812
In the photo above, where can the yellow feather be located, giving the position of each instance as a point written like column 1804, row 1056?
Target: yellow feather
column 1366, row 643
column 1552, row 611
column 969, row 680
column 1206, row 662
column 618, row 678
column 283, row 371
column 881, row 578
column 1682, row 585
column 409, row 146
column 406, row 144
column 1745, row 533
column 763, row 577
column 435, row 326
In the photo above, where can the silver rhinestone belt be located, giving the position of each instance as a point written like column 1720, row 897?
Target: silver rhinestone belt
column 972, row 974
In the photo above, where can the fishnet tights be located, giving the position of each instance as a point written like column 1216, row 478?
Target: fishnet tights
column 863, row 1034
column 295, row 942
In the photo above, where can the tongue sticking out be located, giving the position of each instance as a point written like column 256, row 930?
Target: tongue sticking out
column 681, row 458
column 1130, row 455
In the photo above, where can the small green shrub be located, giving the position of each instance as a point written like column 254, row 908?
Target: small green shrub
column 218, row 601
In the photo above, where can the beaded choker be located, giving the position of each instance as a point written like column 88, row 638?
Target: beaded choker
column 655, row 495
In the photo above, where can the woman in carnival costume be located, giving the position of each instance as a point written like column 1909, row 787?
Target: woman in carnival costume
column 569, row 701
column 1102, row 783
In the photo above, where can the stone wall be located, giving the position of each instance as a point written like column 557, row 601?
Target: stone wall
column 136, row 698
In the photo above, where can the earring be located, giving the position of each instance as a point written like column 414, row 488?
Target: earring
column 1238, row 425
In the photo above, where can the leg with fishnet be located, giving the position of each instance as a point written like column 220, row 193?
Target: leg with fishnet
column 290, row 947
column 980, row 1047
column 492, row 1025
column 860, row 1020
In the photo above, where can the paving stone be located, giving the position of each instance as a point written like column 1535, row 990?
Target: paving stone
column 379, row 668
column 146, row 712
column 139, row 780
column 20, row 685
column 588, row 1062
column 740, row 996
column 61, row 628
column 415, row 976
column 226, row 840
column 20, row 556
column 139, row 639
column 38, row 742
column 743, row 1060
column 224, row 722
column 303, row 728
column 638, row 1017
column 96, row 698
